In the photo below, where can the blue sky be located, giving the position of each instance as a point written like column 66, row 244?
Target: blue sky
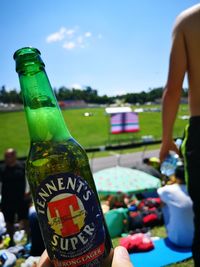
column 114, row 46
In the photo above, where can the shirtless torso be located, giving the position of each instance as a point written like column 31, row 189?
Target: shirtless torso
column 184, row 58
column 190, row 26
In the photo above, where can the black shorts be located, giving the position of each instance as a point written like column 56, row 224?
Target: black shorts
column 191, row 153
column 18, row 210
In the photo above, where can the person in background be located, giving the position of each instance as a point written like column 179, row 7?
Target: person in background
column 150, row 166
column 37, row 243
column 177, row 210
column 120, row 258
column 13, row 202
column 185, row 58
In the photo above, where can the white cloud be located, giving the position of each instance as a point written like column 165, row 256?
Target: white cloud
column 88, row 34
column 70, row 32
column 69, row 45
column 56, row 36
column 80, row 41
column 71, row 38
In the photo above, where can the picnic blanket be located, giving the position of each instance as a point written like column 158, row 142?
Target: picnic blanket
column 163, row 254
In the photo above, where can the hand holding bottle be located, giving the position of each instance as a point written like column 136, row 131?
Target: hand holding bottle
column 165, row 148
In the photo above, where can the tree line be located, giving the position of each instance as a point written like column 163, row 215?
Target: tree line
column 89, row 95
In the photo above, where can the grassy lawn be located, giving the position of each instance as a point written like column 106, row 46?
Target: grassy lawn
column 88, row 131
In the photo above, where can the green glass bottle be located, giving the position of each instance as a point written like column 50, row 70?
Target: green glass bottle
column 57, row 169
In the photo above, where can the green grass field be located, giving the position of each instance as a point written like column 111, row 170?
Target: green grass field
column 88, row 131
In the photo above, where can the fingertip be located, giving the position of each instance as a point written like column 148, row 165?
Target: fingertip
column 121, row 252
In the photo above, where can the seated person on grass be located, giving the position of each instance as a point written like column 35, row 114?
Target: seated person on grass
column 177, row 210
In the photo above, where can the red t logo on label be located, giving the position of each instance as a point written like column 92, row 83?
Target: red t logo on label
column 63, row 209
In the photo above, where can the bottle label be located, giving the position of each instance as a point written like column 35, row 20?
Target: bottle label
column 71, row 221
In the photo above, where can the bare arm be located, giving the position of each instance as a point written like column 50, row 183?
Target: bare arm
column 172, row 92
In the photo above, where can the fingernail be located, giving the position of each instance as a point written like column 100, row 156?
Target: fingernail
column 123, row 253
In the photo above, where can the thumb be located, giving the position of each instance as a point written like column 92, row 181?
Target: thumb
column 44, row 260
column 121, row 258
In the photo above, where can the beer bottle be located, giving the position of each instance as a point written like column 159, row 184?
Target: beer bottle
column 58, row 172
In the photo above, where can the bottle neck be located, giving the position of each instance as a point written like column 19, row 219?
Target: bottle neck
column 44, row 117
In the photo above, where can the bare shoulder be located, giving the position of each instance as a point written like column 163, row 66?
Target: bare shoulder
column 188, row 15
